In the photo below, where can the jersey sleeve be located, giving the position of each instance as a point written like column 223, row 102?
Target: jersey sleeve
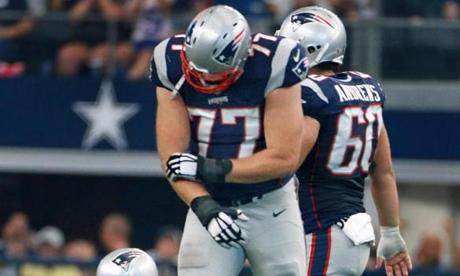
column 314, row 101
column 289, row 65
column 165, row 68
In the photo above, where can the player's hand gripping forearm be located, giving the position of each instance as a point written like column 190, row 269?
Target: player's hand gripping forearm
column 186, row 166
column 219, row 221
column 173, row 134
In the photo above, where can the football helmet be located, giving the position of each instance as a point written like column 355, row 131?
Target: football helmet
column 319, row 31
column 127, row 262
column 216, row 46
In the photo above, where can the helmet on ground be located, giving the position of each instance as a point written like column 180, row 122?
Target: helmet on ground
column 127, row 262
column 216, row 46
column 319, row 31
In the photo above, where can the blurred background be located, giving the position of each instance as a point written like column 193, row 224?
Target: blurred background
column 79, row 176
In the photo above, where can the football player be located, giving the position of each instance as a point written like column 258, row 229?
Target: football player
column 127, row 262
column 349, row 143
column 232, row 100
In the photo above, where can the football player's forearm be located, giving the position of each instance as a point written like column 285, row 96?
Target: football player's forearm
column 188, row 190
column 173, row 135
column 385, row 195
column 384, row 190
column 262, row 166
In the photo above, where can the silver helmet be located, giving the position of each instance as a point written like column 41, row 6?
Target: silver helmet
column 319, row 31
column 217, row 43
column 127, row 262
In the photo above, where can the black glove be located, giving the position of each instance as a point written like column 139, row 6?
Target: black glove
column 197, row 168
column 219, row 221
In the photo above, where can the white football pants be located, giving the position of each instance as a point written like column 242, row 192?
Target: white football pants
column 275, row 244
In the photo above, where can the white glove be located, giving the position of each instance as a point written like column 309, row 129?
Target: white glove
column 220, row 221
column 225, row 231
column 197, row 168
column 391, row 242
column 182, row 166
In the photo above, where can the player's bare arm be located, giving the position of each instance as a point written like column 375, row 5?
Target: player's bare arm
column 392, row 247
column 173, row 135
column 383, row 187
column 310, row 133
column 283, row 133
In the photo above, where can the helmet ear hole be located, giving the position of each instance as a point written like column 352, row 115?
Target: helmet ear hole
column 311, row 49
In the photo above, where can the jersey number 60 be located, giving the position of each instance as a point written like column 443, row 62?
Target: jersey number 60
column 353, row 146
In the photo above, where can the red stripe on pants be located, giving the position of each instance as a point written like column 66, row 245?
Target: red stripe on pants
column 326, row 262
column 312, row 253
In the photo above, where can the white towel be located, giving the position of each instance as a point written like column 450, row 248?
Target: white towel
column 359, row 229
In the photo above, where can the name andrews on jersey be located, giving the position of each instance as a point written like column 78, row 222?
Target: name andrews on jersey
column 363, row 92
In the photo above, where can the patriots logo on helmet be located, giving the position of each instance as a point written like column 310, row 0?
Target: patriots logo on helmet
column 306, row 17
column 227, row 55
column 125, row 259
column 188, row 33
column 301, row 69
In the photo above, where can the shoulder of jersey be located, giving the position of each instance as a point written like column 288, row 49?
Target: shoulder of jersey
column 318, row 88
column 279, row 59
column 166, row 59
column 266, row 49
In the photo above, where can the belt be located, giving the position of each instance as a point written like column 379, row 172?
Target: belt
column 250, row 198
column 341, row 222
column 241, row 201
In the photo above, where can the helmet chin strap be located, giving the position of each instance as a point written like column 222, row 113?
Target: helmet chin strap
column 178, row 86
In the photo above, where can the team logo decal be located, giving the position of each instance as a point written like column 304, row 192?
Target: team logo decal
column 125, row 259
column 301, row 69
column 227, row 55
column 305, row 17
column 188, row 34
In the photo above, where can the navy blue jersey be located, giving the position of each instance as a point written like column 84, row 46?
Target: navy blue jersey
column 348, row 107
column 230, row 124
